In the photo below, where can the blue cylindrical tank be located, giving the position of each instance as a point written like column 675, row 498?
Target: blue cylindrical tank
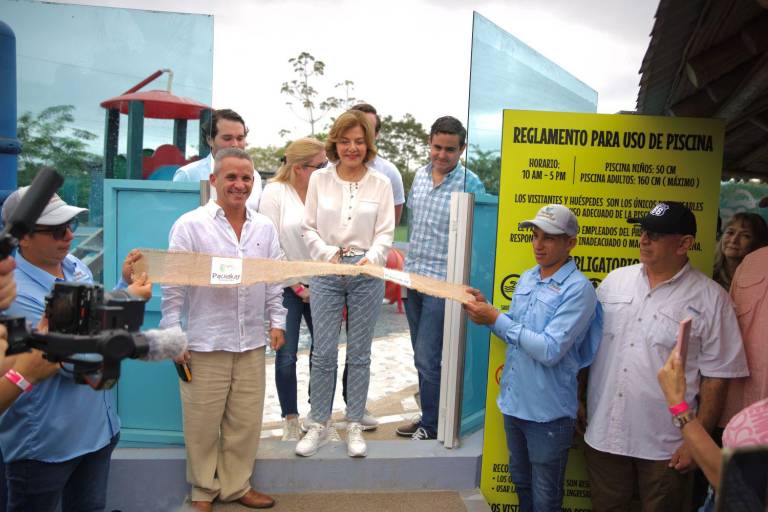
column 9, row 144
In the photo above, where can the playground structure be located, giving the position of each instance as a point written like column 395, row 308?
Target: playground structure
column 153, row 104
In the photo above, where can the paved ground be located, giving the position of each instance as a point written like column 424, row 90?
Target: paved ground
column 393, row 378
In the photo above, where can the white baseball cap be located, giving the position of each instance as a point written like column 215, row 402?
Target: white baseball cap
column 554, row 219
column 56, row 212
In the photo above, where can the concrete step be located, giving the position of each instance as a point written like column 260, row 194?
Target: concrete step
column 150, row 479
column 380, row 501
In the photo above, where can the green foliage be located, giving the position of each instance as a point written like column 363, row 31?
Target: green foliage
column 302, row 90
column 404, row 143
column 487, row 165
column 49, row 139
column 266, row 160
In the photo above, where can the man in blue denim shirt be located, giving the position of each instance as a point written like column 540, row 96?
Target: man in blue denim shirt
column 57, row 437
column 552, row 329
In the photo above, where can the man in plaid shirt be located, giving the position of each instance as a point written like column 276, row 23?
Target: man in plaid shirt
column 429, row 203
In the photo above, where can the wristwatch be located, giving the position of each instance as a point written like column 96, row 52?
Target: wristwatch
column 684, row 417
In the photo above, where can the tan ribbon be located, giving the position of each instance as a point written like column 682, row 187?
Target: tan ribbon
column 194, row 269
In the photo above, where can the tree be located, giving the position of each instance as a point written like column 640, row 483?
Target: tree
column 266, row 160
column 302, row 89
column 49, row 139
column 487, row 165
column 404, row 142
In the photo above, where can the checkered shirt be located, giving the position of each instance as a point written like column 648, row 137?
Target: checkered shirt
column 429, row 207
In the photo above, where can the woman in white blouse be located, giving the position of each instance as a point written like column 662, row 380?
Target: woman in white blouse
column 283, row 202
column 348, row 218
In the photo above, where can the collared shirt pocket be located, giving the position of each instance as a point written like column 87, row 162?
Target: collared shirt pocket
column 663, row 335
column 520, row 300
column 616, row 312
column 543, row 308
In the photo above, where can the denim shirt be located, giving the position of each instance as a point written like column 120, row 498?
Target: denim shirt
column 58, row 419
column 553, row 329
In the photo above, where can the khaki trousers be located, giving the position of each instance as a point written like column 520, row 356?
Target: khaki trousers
column 223, row 406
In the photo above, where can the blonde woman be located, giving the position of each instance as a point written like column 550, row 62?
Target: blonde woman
column 283, row 202
column 348, row 218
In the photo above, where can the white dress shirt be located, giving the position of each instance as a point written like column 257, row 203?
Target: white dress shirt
column 359, row 215
column 200, row 170
column 389, row 170
column 228, row 319
column 627, row 412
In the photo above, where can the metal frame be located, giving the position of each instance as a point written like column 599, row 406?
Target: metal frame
column 454, row 326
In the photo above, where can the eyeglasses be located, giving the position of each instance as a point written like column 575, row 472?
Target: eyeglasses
column 322, row 165
column 58, row 232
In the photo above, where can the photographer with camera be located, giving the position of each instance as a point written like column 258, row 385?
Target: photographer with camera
column 57, row 436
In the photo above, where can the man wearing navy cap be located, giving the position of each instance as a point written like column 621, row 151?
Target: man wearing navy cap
column 633, row 438
column 552, row 330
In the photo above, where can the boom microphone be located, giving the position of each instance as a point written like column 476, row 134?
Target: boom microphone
column 162, row 343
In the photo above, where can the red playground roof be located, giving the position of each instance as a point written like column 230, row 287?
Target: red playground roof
column 158, row 105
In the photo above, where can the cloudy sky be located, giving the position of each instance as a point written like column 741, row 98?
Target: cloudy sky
column 405, row 55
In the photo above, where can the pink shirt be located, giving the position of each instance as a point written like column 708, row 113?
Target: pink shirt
column 749, row 291
column 748, row 427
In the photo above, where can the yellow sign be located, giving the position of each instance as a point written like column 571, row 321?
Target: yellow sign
column 606, row 169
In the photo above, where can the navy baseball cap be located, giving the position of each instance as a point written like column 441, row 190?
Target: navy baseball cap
column 668, row 217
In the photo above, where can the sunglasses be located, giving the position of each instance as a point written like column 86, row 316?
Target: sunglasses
column 654, row 236
column 321, row 166
column 58, row 232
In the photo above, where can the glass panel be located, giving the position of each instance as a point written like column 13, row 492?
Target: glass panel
column 505, row 74
column 70, row 58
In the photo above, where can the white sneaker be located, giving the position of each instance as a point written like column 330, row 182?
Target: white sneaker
column 304, row 425
column 291, row 431
column 369, row 421
column 356, row 446
column 313, row 440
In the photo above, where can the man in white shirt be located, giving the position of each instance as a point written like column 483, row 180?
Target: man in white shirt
column 631, row 442
column 223, row 403
column 383, row 165
column 226, row 130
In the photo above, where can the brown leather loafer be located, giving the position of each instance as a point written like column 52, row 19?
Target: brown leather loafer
column 202, row 506
column 255, row 499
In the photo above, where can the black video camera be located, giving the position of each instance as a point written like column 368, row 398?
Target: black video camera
column 80, row 321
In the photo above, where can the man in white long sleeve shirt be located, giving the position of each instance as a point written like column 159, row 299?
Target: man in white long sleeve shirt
column 226, row 130
column 223, row 403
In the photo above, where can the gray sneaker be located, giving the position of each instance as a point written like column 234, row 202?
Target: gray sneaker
column 421, row 434
column 408, row 429
column 369, row 421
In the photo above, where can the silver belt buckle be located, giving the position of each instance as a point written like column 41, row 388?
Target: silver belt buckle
column 351, row 252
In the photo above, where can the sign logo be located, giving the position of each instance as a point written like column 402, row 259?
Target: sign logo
column 226, row 270
column 499, row 371
column 508, row 285
column 660, row 209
